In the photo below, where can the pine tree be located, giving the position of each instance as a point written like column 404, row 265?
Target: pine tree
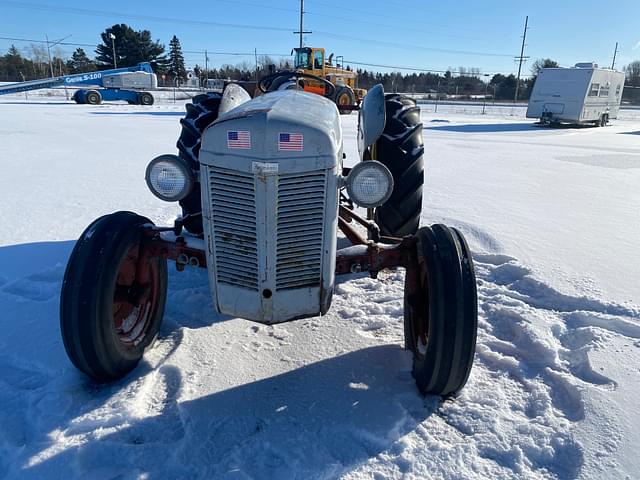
column 175, row 65
column 14, row 65
column 80, row 63
column 131, row 48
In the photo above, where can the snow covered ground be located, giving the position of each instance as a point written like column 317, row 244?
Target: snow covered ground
column 552, row 216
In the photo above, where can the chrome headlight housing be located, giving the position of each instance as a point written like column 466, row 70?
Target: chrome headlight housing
column 169, row 178
column 369, row 184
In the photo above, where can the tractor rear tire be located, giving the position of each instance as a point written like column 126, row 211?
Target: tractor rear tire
column 93, row 97
column 400, row 148
column 200, row 114
column 441, row 319
column 107, row 318
column 344, row 97
column 145, row 98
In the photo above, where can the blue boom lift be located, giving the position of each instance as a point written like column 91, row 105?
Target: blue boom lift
column 116, row 84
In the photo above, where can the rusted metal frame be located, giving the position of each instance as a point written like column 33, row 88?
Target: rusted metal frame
column 152, row 245
column 378, row 257
column 351, row 233
column 372, row 229
column 349, row 214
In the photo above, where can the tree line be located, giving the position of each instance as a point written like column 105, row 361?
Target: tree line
column 131, row 47
column 121, row 46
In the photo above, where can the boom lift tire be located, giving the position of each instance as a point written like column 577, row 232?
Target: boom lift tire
column 201, row 113
column 107, row 318
column 344, row 98
column 145, row 98
column 400, row 148
column 93, row 97
column 441, row 320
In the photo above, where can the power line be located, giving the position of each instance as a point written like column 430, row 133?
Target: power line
column 43, row 41
column 270, row 54
column 104, row 13
column 92, row 12
column 402, row 20
column 407, row 46
column 417, row 69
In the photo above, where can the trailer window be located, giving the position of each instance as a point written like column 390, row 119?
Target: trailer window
column 604, row 91
column 595, row 88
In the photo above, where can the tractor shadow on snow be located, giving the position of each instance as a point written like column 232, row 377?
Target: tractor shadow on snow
column 317, row 420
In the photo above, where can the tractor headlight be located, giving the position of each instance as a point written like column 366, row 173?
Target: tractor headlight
column 369, row 184
column 169, row 178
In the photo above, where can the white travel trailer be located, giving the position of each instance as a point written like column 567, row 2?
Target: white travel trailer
column 584, row 94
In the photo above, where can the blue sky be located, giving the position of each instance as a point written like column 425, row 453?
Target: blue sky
column 484, row 35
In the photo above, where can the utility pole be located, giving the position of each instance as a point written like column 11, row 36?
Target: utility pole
column 113, row 46
column 486, row 88
column 301, row 32
column 49, row 53
column 615, row 53
column 53, row 44
column 255, row 52
column 206, row 69
column 521, row 58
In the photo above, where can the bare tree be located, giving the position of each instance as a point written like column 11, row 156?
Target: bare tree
column 40, row 58
column 541, row 63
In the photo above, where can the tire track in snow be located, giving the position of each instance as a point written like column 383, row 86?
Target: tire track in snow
column 536, row 341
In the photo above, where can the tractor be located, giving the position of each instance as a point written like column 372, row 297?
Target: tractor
column 311, row 72
column 264, row 194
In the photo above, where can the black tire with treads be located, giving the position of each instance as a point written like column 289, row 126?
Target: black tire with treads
column 401, row 149
column 441, row 320
column 93, row 97
column 145, row 98
column 87, row 299
column 201, row 113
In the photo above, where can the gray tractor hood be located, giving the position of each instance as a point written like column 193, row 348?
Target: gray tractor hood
column 309, row 117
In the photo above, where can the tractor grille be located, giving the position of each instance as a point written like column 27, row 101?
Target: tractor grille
column 234, row 219
column 301, row 205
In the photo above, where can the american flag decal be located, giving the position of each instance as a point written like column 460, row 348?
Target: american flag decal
column 239, row 139
column 290, row 142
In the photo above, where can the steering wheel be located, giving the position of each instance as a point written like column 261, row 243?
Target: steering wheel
column 266, row 83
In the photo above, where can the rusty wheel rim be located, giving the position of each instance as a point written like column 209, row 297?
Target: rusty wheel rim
column 420, row 316
column 134, row 302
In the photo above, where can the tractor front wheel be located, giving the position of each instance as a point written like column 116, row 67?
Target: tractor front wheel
column 441, row 312
column 112, row 298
